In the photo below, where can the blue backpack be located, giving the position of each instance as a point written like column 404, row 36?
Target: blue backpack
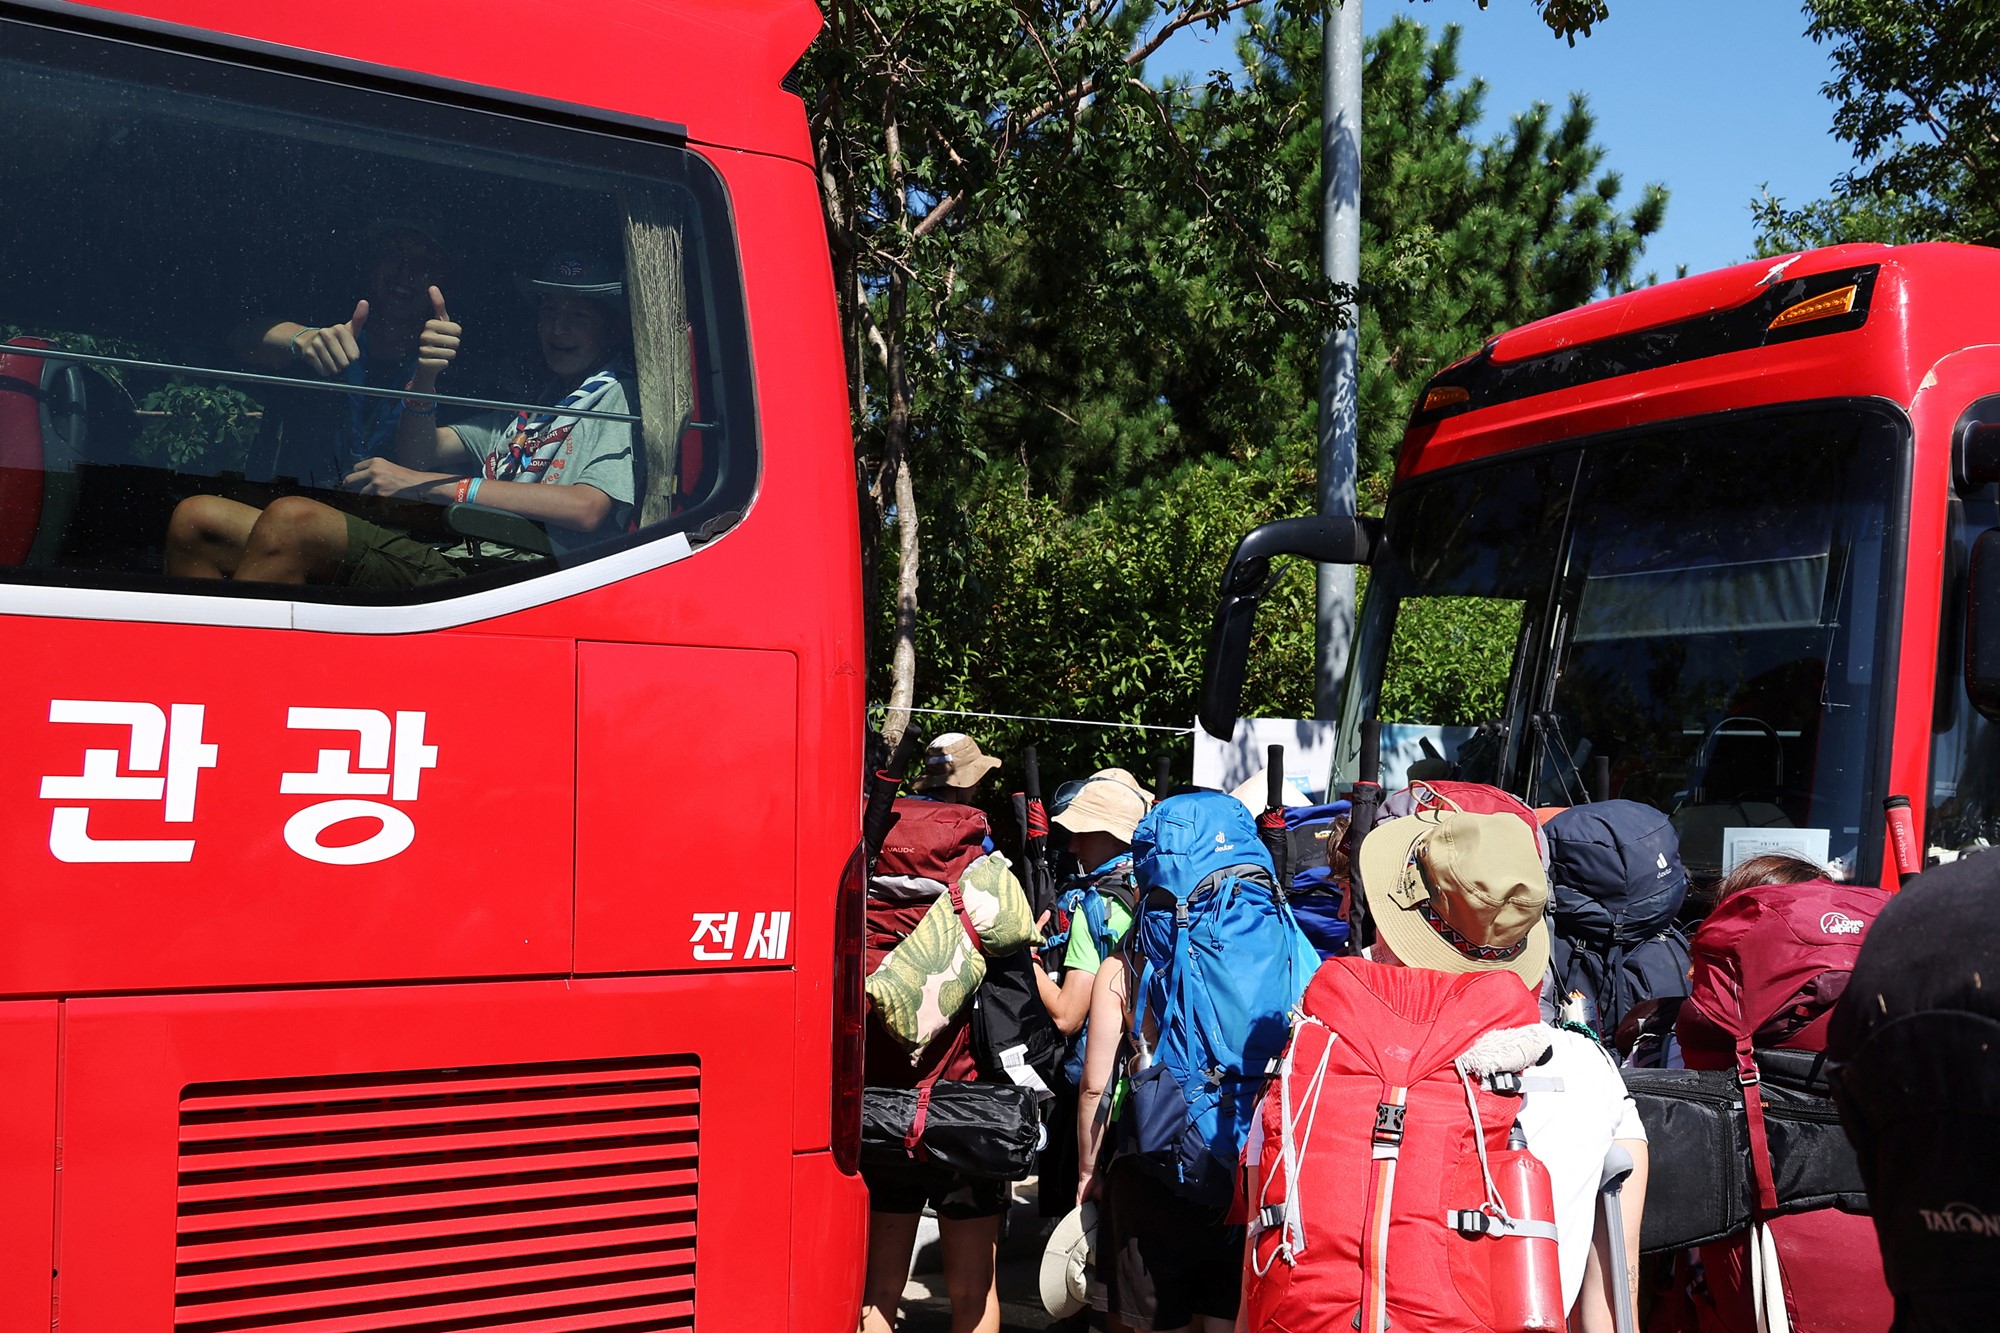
column 1317, row 899
column 1081, row 907
column 1223, row 964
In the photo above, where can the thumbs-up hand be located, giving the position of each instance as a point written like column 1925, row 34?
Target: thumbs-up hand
column 331, row 349
column 438, row 343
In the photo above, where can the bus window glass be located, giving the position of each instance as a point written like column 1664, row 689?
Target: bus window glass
column 1724, row 581
column 218, row 279
column 1964, row 814
column 1455, row 595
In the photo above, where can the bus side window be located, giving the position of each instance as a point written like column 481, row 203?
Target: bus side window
column 1964, row 810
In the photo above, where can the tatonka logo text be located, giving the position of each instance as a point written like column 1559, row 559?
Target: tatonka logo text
column 1961, row 1219
column 1839, row 923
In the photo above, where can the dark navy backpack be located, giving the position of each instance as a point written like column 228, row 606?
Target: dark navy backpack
column 1318, row 900
column 1616, row 885
column 1222, row 965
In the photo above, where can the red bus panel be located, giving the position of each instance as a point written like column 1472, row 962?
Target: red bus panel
column 686, row 831
column 257, row 807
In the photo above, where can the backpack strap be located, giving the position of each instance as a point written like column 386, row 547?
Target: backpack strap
column 1753, row 1112
column 965, row 918
column 1292, row 1147
column 1387, row 1148
column 913, row 1137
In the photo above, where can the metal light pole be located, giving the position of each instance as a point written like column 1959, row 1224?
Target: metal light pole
column 1340, row 260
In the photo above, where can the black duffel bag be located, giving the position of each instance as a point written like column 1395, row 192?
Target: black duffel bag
column 1700, row 1187
column 988, row 1130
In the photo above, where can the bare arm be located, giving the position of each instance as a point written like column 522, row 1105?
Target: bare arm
column 420, row 442
column 1594, row 1309
column 279, row 344
column 1100, row 1070
column 1068, row 1004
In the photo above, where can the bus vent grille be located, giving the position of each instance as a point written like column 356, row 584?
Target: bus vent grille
column 526, row 1198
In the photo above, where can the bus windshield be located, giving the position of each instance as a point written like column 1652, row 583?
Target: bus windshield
column 1699, row 606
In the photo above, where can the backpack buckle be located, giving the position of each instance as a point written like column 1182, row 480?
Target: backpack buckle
column 1181, row 917
column 1388, row 1123
column 1507, row 1082
column 1471, row 1222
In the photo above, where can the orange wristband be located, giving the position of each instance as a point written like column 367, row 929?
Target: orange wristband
column 459, row 495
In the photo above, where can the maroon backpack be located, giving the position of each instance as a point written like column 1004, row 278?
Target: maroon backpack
column 927, row 849
column 1766, row 969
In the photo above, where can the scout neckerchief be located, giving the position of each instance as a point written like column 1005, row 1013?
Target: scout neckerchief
column 540, row 435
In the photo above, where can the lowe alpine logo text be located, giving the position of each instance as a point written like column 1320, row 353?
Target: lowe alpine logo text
column 1840, row 923
column 1960, row 1219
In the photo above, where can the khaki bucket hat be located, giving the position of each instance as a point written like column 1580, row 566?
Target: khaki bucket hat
column 1109, row 801
column 1459, row 892
column 954, row 760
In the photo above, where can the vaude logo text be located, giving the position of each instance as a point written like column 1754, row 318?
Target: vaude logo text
column 1839, row 923
column 1960, row 1219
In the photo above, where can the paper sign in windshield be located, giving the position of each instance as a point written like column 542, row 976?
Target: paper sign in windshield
column 1740, row 844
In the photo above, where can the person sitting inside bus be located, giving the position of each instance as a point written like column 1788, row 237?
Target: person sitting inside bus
column 569, row 473
column 314, row 437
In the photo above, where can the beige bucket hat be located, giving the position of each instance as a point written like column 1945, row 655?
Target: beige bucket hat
column 954, row 760
column 1459, row 892
column 1109, row 801
column 1066, row 1261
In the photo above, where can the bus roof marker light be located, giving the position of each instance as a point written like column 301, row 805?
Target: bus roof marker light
column 1827, row 305
column 1445, row 395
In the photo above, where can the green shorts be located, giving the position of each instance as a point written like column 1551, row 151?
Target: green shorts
column 379, row 557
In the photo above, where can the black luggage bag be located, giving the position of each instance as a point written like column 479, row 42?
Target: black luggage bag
column 1700, row 1188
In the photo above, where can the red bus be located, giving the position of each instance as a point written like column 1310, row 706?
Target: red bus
column 1711, row 544
column 480, row 954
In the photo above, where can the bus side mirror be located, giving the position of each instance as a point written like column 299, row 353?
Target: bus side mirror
column 1325, row 539
column 1982, row 626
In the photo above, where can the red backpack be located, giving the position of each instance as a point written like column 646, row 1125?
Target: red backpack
column 1472, row 798
column 1766, row 969
column 1379, row 1192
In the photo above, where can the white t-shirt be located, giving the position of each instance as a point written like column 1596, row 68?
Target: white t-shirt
column 1571, row 1131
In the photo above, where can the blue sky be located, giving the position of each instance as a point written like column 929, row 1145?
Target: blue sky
column 1713, row 98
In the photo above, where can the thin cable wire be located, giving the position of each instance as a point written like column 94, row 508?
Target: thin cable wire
column 1031, row 717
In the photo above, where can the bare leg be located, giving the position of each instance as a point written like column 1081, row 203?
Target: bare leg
column 206, row 537
column 891, row 1238
column 971, row 1248
column 295, row 540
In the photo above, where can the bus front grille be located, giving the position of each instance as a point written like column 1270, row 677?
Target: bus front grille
column 546, row 1197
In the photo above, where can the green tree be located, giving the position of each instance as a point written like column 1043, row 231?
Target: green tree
column 939, row 126
column 1915, row 98
column 1143, row 377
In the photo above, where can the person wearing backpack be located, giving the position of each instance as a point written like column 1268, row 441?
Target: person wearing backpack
column 1432, row 1154
column 1094, row 907
column 1910, row 1057
column 1195, row 1007
column 1617, row 885
column 931, row 847
column 1767, row 969
column 1092, row 913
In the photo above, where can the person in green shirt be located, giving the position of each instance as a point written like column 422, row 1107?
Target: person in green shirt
column 1099, row 814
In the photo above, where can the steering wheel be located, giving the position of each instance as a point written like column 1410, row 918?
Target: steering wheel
column 1698, row 773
